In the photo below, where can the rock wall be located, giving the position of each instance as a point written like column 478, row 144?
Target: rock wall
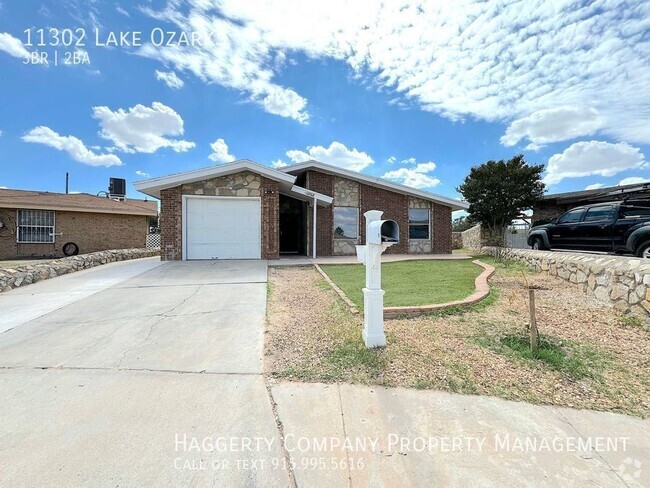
column 472, row 238
column 456, row 240
column 623, row 282
column 26, row 275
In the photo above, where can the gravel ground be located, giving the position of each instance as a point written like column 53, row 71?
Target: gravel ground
column 311, row 336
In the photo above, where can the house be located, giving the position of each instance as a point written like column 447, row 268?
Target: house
column 40, row 224
column 244, row 210
column 553, row 205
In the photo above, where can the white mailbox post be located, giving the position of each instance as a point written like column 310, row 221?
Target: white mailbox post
column 380, row 235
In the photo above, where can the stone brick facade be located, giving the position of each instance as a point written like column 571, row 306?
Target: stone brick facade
column 90, row 231
column 345, row 192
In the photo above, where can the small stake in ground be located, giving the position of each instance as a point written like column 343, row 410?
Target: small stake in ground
column 534, row 333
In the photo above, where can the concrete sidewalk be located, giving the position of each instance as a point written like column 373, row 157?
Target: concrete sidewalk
column 385, row 258
column 405, row 437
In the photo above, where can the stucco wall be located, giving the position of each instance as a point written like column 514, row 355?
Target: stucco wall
column 623, row 282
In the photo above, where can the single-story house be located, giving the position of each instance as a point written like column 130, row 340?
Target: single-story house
column 244, row 210
column 553, row 205
column 40, row 224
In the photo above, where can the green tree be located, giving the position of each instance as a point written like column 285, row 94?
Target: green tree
column 499, row 191
column 460, row 224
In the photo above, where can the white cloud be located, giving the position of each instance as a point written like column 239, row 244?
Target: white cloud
column 142, row 129
column 170, row 79
column 122, row 11
column 278, row 163
column 417, row 177
column 220, row 152
column 553, row 125
column 1, row 133
column 593, row 158
column 493, row 61
column 632, row 180
column 336, row 154
column 391, row 160
column 72, row 145
column 142, row 174
column 13, row 46
column 595, row 186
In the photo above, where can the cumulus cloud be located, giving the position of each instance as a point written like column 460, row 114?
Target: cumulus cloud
column 553, row 125
column 142, row 129
column 170, row 79
column 278, row 163
column 417, row 176
column 13, row 46
column 72, row 145
column 632, row 180
column 220, row 152
column 493, row 61
column 336, row 154
column 595, row 186
column 143, row 174
column 593, row 158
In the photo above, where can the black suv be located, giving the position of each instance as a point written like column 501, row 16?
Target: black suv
column 620, row 227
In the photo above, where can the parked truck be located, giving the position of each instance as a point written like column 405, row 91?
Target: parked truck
column 621, row 227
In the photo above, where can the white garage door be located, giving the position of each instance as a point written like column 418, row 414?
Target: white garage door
column 223, row 228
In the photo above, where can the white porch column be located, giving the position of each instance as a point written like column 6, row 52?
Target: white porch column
column 313, row 244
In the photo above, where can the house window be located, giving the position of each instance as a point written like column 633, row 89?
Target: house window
column 418, row 223
column 35, row 226
column 346, row 222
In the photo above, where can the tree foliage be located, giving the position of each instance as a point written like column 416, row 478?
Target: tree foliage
column 499, row 191
column 460, row 224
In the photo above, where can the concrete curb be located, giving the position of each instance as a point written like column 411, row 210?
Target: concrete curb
column 480, row 283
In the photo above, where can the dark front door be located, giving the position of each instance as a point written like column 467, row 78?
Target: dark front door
column 292, row 226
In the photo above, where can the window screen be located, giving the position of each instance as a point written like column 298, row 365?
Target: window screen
column 418, row 223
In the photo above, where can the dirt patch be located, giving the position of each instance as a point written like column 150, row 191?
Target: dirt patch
column 600, row 360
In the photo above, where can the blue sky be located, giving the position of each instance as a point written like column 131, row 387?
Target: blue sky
column 415, row 92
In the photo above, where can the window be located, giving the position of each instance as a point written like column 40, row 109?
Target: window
column 418, row 223
column 571, row 216
column 35, row 226
column 603, row 212
column 346, row 222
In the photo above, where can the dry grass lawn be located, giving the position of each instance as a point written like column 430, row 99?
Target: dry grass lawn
column 593, row 357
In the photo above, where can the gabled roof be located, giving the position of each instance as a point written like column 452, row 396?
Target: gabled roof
column 154, row 186
column 375, row 181
column 74, row 202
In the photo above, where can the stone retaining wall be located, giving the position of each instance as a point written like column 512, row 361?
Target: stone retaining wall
column 623, row 282
column 26, row 275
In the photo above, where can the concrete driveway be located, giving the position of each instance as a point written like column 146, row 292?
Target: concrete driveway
column 106, row 373
column 148, row 374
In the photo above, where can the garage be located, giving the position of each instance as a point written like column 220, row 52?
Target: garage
column 222, row 227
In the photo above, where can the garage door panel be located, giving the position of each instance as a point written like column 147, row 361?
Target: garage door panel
column 219, row 228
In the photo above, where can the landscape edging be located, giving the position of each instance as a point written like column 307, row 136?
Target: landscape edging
column 481, row 285
column 11, row 278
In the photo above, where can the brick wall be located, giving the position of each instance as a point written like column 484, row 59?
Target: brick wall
column 171, row 224
column 395, row 207
column 441, row 229
column 92, row 232
column 322, row 183
column 270, row 219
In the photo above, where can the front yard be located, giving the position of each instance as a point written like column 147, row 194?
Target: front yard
column 410, row 283
column 591, row 356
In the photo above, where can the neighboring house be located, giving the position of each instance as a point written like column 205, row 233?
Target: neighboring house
column 39, row 224
column 554, row 205
column 244, row 210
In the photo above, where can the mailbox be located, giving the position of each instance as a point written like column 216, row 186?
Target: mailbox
column 383, row 232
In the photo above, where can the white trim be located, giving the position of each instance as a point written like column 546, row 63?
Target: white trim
column 315, row 220
column 153, row 186
column 184, row 199
column 312, row 194
column 376, row 181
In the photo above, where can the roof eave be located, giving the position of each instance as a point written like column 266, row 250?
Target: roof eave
column 374, row 180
